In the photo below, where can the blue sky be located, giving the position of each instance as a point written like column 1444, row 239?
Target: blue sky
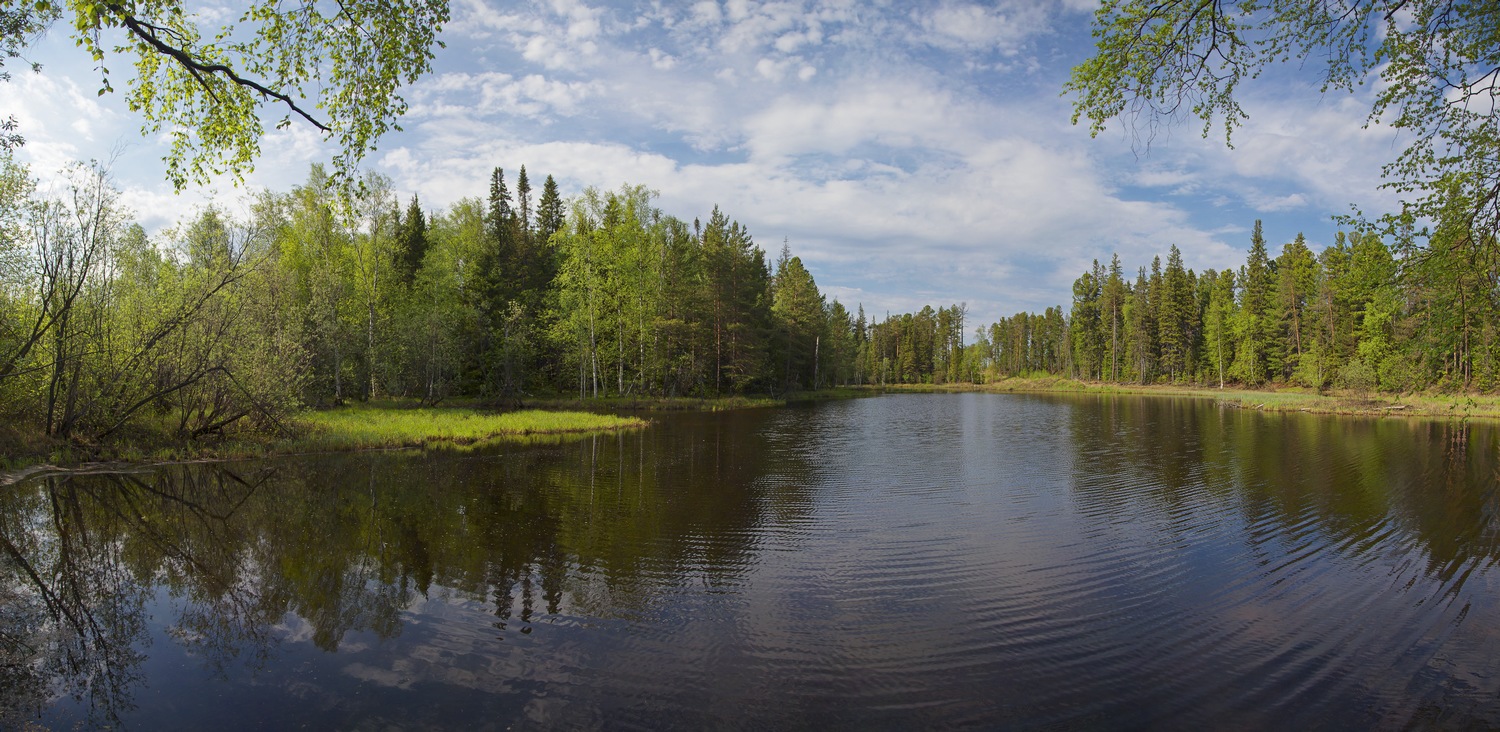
column 910, row 153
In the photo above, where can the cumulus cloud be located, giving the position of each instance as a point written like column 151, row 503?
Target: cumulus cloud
column 1000, row 27
column 897, row 114
column 910, row 157
column 533, row 95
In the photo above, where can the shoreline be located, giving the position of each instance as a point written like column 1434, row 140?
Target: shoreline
column 345, row 429
column 1429, row 406
column 391, row 425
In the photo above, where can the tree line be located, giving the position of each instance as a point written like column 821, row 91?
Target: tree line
column 1361, row 314
column 1413, row 313
column 313, row 297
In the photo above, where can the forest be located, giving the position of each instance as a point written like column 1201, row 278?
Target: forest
column 1361, row 315
column 315, row 297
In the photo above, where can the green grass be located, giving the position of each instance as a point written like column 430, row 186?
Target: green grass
column 1282, row 399
column 383, row 425
column 364, row 427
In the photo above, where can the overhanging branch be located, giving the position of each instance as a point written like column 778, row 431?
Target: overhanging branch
column 197, row 67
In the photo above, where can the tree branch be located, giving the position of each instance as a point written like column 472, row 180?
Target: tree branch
column 195, row 66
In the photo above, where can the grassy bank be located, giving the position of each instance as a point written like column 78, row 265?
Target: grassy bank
column 363, row 427
column 357, row 427
column 388, row 424
column 1269, row 400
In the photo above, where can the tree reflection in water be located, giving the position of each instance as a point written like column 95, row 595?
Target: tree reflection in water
column 346, row 543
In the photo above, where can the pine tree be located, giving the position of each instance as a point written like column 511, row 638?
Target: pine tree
column 1087, row 331
column 1139, row 327
column 1257, row 307
column 500, row 214
column 1332, row 312
column 411, row 241
column 1296, row 278
column 798, row 311
column 1175, row 317
column 1112, row 307
column 549, row 211
column 523, row 202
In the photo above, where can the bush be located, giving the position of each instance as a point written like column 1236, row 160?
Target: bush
column 1400, row 372
column 1356, row 376
column 1309, row 372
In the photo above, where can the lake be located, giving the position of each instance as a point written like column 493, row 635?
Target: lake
column 905, row 561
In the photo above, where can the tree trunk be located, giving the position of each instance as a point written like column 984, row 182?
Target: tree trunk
column 817, row 346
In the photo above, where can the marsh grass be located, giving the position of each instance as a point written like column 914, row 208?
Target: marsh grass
column 377, row 426
column 366, row 427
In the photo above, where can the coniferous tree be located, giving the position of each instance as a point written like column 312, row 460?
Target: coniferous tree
column 1175, row 318
column 1333, row 312
column 798, row 311
column 1296, row 278
column 411, row 242
column 1140, row 326
column 1087, row 330
column 1256, row 311
column 523, row 203
column 1112, row 309
column 549, row 211
column 840, row 351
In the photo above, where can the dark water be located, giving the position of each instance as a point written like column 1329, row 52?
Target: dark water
column 918, row 561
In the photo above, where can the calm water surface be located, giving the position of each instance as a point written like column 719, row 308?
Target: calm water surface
column 930, row 561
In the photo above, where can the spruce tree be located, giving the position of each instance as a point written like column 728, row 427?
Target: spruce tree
column 549, row 211
column 411, row 241
column 1087, row 333
column 1256, row 307
column 523, row 203
column 1112, row 307
column 1174, row 322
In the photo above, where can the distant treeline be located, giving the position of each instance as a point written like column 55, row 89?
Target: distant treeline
column 1359, row 315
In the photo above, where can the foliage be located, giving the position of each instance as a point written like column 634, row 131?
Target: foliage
column 1432, row 64
column 207, row 88
column 1355, row 317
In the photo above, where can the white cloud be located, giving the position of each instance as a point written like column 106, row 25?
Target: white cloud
column 893, row 113
column 488, row 93
column 660, row 60
column 582, row 20
column 1003, row 27
column 772, row 69
column 922, row 156
column 1272, row 204
column 707, row 12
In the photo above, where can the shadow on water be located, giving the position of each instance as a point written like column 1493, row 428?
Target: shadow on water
column 594, row 528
